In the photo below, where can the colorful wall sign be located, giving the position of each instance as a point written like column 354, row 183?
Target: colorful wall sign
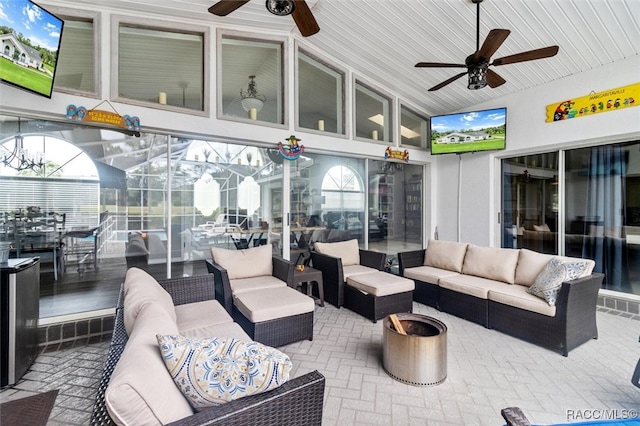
column 81, row 113
column 292, row 150
column 396, row 154
column 594, row 103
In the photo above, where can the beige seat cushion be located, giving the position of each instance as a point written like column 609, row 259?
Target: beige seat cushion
column 348, row 251
column 255, row 283
column 380, row 283
column 140, row 288
column 273, row 303
column 445, row 255
column 193, row 318
column 227, row 329
column 428, row 274
column 251, row 262
column 351, row 270
column 491, row 262
column 471, row 285
column 530, row 264
column 518, row 297
column 141, row 390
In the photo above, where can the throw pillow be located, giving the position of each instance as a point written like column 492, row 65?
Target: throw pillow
column 213, row 371
column 548, row 283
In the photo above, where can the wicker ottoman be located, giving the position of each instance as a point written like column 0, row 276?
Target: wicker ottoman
column 374, row 295
column 275, row 316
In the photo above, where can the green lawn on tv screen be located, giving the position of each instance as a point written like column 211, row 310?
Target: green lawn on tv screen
column 496, row 142
column 25, row 77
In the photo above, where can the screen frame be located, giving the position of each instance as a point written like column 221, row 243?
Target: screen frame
column 58, row 24
column 467, row 147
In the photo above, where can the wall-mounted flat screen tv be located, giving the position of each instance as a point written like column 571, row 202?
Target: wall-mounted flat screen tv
column 472, row 131
column 30, row 40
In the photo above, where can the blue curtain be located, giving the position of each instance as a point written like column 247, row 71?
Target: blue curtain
column 604, row 238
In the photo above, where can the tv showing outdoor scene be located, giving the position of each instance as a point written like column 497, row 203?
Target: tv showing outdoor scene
column 469, row 131
column 30, row 38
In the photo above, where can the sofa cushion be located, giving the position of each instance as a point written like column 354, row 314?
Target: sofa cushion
column 351, row 270
column 380, row 283
column 549, row 282
column 530, row 264
column 445, row 255
column 518, row 297
column 195, row 319
column 492, row 263
column 468, row 284
column 427, row 274
column 245, row 263
column 255, row 283
column 348, row 251
column 272, row 303
column 140, row 288
column 228, row 329
column 213, row 371
column 140, row 391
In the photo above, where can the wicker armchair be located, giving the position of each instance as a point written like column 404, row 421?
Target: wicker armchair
column 333, row 276
column 275, row 332
column 298, row 401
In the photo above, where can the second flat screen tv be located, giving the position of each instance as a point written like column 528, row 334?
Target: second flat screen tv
column 30, row 43
column 472, row 131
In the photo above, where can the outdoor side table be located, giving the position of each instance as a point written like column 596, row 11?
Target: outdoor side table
column 309, row 275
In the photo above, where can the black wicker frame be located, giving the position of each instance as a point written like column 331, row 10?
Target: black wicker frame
column 424, row 292
column 333, row 276
column 464, row 306
column 276, row 332
column 573, row 324
column 377, row 307
column 298, row 401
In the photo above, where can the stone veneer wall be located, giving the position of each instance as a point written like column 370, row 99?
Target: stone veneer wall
column 68, row 334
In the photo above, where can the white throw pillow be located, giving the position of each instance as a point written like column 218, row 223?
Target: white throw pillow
column 246, row 263
column 348, row 251
column 548, row 283
column 542, row 228
column 447, row 255
column 213, row 371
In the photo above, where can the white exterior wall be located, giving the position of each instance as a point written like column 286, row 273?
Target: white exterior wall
column 527, row 132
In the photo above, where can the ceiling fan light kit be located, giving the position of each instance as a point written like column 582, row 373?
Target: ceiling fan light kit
column 478, row 63
column 298, row 9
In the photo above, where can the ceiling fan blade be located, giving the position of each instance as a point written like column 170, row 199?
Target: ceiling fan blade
column 304, row 19
column 438, row 65
column 531, row 55
column 494, row 40
column 225, row 7
column 494, row 80
column 444, row 83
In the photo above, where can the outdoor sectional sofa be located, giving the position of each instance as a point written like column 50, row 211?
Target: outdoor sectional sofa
column 489, row 286
column 136, row 386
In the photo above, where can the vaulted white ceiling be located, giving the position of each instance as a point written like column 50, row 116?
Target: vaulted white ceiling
column 382, row 40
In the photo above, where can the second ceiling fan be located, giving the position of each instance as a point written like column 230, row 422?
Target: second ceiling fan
column 298, row 9
column 478, row 63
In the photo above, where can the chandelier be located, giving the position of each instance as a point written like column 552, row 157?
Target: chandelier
column 251, row 99
column 20, row 158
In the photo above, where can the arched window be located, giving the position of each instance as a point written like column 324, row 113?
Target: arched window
column 61, row 159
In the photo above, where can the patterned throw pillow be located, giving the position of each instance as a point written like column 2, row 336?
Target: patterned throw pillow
column 549, row 281
column 213, row 371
